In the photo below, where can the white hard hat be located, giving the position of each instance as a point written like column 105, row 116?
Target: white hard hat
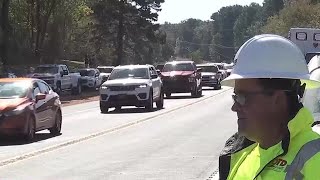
column 270, row 56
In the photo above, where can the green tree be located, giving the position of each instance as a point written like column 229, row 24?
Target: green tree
column 246, row 23
column 128, row 24
column 301, row 14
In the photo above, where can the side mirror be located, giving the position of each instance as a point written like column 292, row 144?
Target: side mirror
column 40, row 96
column 65, row 72
column 219, row 72
column 158, row 72
column 154, row 76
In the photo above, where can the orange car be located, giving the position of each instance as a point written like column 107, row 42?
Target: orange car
column 28, row 105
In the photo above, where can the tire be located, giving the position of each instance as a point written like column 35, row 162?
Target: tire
column 58, row 88
column 94, row 88
column 149, row 105
column 194, row 93
column 159, row 103
column 218, row 86
column 31, row 130
column 200, row 92
column 103, row 108
column 77, row 90
column 56, row 129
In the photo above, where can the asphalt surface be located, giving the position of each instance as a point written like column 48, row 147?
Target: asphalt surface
column 181, row 141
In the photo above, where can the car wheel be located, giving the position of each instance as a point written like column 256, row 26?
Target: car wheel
column 31, row 130
column 94, row 88
column 103, row 108
column 159, row 103
column 77, row 90
column 56, row 129
column 58, row 89
column 149, row 105
column 194, row 93
column 199, row 92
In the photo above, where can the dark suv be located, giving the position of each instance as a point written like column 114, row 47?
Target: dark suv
column 181, row 77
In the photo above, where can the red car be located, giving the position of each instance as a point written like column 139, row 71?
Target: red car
column 181, row 77
column 28, row 105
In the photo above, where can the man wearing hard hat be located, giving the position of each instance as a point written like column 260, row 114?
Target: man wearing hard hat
column 275, row 139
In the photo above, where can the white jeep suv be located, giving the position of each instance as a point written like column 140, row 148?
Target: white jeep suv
column 132, row 85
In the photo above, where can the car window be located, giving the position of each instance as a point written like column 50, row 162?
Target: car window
column 13, row 90
column 213, row 69
column 36, row 90
column 43, row 88
column 178, row 67
column 138, row 73
column 153, row 71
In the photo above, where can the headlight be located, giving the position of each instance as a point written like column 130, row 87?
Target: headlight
column 142, row 86
column 104, row 87
column 16, row 111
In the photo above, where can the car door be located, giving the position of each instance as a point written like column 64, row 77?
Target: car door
column 65, row 79
column 39, row 106
column 156, row 82
column 48, row 104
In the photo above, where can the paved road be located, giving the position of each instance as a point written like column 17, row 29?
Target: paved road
column 181, row 141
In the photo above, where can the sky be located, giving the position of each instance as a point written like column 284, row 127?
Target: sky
column 173, row 12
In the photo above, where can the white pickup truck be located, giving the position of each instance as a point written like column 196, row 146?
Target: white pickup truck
column 58, row 77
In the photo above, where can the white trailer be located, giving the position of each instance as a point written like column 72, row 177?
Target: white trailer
column 307, row 39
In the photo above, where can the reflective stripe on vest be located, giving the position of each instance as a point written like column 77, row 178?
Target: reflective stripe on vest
column 305, row 153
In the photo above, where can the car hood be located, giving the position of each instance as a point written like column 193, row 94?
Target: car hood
column 177, row 73
column 208, row 74
column 6, row 104
column 121, row 82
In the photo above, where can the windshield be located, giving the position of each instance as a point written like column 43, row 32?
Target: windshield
column 213, row 69
column 13, row 90
column 51, row 70
column 139, row 73
column 105, row 70
column 85, row 72
column 178, row 67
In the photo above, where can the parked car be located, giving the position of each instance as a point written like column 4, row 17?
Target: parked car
column 27, row 106
column 211, row 76
column 58, row 77
column 105, row 72
column 90, row 78
column 8, row 75
column 181, row 77
column 132, row 85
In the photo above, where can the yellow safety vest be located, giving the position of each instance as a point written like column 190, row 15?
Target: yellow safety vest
column 297, row 158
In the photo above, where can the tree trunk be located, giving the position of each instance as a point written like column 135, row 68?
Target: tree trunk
column 5, row 27
column 119, row 41
column 38, row 25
